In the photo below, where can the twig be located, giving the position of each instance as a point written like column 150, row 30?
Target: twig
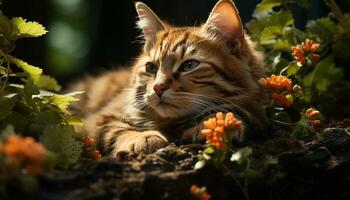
column 243, row 188
column 283, row 123
column 338, row 15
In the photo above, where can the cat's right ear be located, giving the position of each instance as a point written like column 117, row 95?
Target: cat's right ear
column 149, row 22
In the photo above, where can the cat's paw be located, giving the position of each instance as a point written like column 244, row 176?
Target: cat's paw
column 147, row 142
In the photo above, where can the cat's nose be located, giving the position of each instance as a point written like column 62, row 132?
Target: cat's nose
column 160, row 88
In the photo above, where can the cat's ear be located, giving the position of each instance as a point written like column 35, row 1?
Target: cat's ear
column 148, row 22
column 224, row 22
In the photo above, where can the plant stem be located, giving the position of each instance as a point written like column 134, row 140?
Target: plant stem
column 283, row 123
column 8, row 69
column 243, row 188
column 338, row 15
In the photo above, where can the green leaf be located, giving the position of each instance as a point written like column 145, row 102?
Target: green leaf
column 48, row 83
column 281, row 18
column 281, row 45
column 75, row 121
column 61, row 101
column 43, row 120
column 6, row 27
column 342, row 48
column 18, row 120
column 265, row 7
column 3, row 70
column 303, row 3
column 323, row 28
column 269, row 34
column 278, row 63
column 28, row 29
column 275, row 26
column 8, row 130
column 292, row 68
column 61, row 140
column 209, row 150
column 29, row 89
column 33, row 72
column 324, row 74
column 7, row 103
column 302, row 129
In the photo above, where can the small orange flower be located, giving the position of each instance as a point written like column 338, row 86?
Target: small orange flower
column 231, row 122
column 306, row 49
column 281, row 100
column 311, row 113
column 216, row 128
column 200, row 193
column 276, row 82
column 24, row 150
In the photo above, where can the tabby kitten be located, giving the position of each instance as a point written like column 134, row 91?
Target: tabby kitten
column 183, row 76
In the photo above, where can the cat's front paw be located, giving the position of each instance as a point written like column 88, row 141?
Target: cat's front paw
column 147, row 142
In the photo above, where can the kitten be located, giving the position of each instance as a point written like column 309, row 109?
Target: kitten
column 183, row 76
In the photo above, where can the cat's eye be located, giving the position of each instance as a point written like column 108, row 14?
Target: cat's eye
column 188, row 65
column 151, row 68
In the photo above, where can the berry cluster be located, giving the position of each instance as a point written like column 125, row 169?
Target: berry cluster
column 312, row 114
column 89, row 143
column 23, row 151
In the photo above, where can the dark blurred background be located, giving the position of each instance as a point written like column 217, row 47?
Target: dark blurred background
column 92, row 35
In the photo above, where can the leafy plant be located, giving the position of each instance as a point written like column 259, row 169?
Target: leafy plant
column 28, row 101
column 303, row 66
column 309, row 59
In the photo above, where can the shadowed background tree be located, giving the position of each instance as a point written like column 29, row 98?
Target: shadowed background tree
column 88, row 36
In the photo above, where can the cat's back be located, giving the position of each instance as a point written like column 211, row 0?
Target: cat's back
column 99, row 90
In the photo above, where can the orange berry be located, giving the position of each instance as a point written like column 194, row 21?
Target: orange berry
column 95, row 155
column 88, row 141
column 194, row 189
column 200, row 193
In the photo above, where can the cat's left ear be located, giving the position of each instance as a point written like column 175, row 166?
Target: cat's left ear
column 149, row 22
column 224, row 22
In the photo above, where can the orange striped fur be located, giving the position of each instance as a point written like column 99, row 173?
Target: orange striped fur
column 183, row 75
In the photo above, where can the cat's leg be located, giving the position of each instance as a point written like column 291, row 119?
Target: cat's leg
column 114, row 136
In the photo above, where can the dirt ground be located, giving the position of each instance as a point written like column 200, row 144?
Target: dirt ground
column 318, row 169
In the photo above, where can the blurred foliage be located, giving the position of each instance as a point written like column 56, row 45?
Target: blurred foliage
column 32, row 116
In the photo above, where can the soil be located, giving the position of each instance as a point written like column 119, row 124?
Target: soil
column 319, row 169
